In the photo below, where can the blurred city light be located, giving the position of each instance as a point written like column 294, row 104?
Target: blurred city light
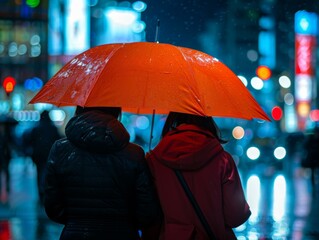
column 279, row 199
column 18, row 102
column 252, row 55
column 263, row 72
column 243, row 79
column 4, row 107
column 125, row 17
column 139, row 6
column 256, row 83
column 253, row 197
column 33, row 3
column 25, row 115
column 33, row 84
column 290, row 118
column 280, row 153
column 276, row 113
column 284, row 81
column 9, row 84
column 253, row 153
column 289, row 99
column 238, row 132
column 57, row 115
column 303, row 109
column 314, row 115
column 306, row 23
column 142, row 122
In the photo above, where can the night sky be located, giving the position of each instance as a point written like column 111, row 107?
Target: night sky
column 180, row 21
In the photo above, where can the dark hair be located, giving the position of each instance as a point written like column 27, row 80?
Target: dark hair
column 114, row 111
column 174, row 119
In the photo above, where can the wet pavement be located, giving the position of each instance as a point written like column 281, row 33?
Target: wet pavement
column 283, row 206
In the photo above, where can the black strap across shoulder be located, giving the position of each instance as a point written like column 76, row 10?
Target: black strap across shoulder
column 195, row 204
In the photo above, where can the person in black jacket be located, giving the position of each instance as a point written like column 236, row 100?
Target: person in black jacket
column 98, row 184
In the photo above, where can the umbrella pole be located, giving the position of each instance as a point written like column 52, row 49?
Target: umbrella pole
column 152, row 127
column 157, row 30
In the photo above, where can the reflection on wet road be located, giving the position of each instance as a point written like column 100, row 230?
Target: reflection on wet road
column 282, row 208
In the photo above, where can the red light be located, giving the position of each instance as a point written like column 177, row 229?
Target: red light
column 314, row 115
column 8, row 84
column 276, row 113
column 263, row 72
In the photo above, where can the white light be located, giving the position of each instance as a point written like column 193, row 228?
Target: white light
column 303, row 87
column 257, row 83
column 253, row 196
column 280, row 153
column 304, row 24
column 279, row 201
column 57, row 115
column 121, row 16
column 243, row 79
column 253, row 153
column 284, row 81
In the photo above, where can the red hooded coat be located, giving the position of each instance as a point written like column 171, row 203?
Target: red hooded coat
column 213, row 178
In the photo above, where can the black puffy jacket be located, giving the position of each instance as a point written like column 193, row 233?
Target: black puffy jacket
column 97, row 183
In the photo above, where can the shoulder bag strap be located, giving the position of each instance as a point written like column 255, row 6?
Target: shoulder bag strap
column 194, row 204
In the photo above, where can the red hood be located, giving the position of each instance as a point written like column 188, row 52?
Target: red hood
column 187, row 148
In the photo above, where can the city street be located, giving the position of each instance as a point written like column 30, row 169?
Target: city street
column 282, row 207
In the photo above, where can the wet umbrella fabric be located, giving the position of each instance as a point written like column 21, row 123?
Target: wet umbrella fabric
column 144, row 78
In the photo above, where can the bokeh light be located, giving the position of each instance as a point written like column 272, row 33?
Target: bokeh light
column 263, row 72
column 238, row 132
column 257, row 83
column 284, row 82
column 276, row 113
column 280, row 153
column 314, row 115
column 253, row 153
column 243, row 80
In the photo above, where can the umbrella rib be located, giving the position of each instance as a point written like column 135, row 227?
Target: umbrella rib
column 109, row 55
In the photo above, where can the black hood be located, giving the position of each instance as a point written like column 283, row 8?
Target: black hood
column 96, row 131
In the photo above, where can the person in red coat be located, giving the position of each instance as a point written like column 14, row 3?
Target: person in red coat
column 192, row 144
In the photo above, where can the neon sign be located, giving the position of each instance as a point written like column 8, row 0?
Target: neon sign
column 306, row 31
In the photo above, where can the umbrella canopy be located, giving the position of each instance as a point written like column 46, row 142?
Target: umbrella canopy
column 144, row 77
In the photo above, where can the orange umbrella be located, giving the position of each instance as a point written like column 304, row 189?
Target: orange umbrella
column 144, row 78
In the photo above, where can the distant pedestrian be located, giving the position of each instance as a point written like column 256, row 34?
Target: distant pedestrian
column 192, row 146
column 40, row 140
column 5, row 157
column 98, row 184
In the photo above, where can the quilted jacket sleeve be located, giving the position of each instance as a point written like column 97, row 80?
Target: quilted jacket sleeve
column 53, row 204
